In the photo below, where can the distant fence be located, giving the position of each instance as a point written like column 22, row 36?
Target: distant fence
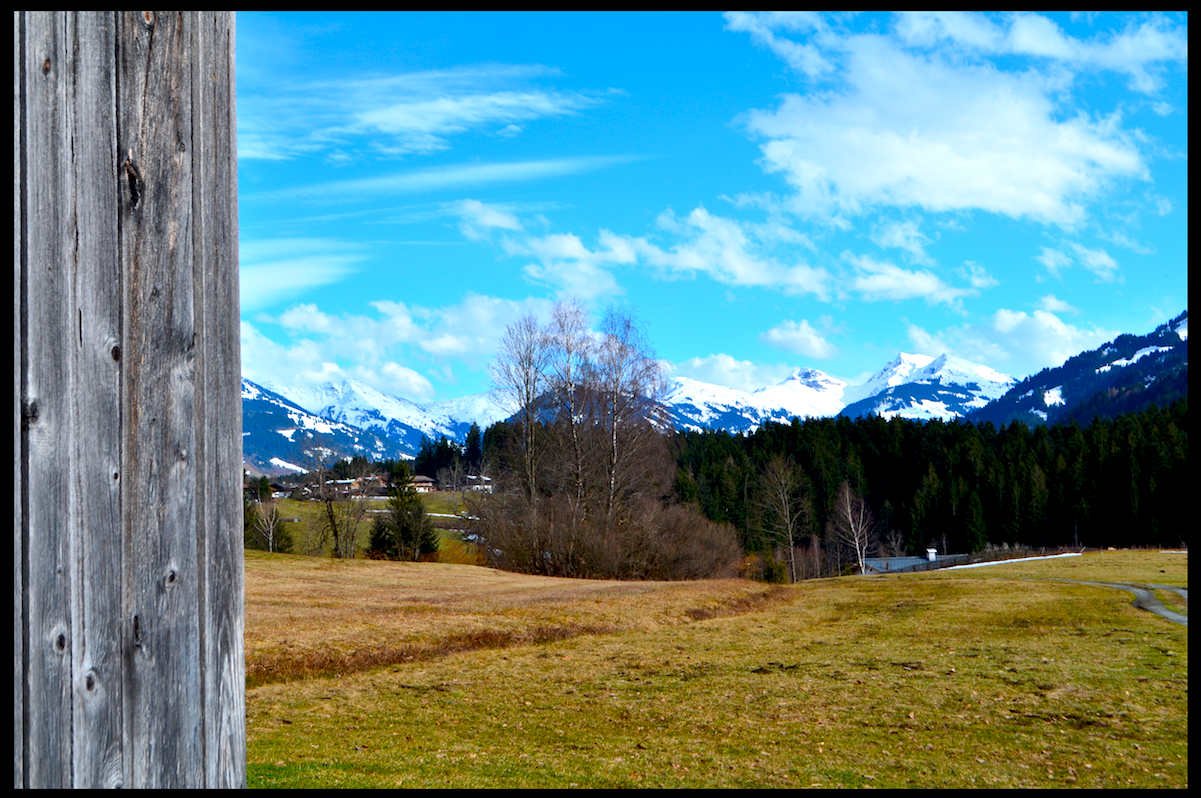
column 893, row 565
column 128, row 584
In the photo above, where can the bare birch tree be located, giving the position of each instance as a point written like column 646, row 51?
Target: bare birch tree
column 784, row 505
column 518, row 380
column 570, row 375
column 851, row 523
column 267, row 524
column 630, row 382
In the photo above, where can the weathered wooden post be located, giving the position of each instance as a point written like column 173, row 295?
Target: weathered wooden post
column 127, row 422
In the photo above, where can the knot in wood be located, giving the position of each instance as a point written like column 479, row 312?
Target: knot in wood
column 134, row 178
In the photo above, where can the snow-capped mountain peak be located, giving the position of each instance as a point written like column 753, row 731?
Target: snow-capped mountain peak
column 920, row 386
column 807, row 392
column 352, row 402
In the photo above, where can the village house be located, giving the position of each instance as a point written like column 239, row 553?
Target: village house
column 479, row 483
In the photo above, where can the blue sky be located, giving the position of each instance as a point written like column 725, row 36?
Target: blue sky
column 765, row 191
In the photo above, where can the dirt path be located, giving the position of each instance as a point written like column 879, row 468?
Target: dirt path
column 1144, row 598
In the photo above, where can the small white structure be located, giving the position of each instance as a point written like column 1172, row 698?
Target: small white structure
column 422, row 484
column 480, row 483
column 931, row 554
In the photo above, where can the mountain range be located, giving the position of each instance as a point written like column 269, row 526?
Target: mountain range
column 284, row 424
column 1128, row 373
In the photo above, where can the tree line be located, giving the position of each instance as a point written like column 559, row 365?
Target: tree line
column 957, row 486
column 592, row 481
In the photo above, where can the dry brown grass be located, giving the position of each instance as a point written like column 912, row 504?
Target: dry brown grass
column 309, row 616
column 981, row 677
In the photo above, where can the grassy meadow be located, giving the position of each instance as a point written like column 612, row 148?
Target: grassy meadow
column 379, row 674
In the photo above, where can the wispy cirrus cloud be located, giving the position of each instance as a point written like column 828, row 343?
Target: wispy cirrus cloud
column 451, row 177
column 275, row 271
column 1097, row 261
column 395, row 115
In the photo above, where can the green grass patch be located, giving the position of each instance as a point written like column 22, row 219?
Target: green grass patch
column 1140, row 567
column 889, row 682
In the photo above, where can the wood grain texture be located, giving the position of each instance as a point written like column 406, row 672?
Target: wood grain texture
column 127, row 414
column 18, row 443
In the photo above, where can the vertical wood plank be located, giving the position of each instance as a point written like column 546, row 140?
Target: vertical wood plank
column 96, row 457
column 159, row 489
column 18, row 445
column 128, row 598
column 219, row 437
column 46, row 387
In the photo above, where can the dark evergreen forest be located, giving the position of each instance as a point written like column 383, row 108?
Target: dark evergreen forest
column 960, row 486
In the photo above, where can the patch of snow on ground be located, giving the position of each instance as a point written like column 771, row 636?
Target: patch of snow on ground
column 1054, row 396
column 1020, row 559
column 285, row 464
column 1139, row 355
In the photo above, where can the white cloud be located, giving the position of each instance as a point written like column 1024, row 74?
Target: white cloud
column 421, row 124
column 732, row 252
column 726, row 250
column 476, row 218
column 978, row 276
column 905, row 235
column 800, row 338
column 455, row 176
column 407, row 382
column 1054, row 260
column 563, row 261
column 910, row 121
column 1098, row 262
column 805, row 58
column 924, row 342
column 1016, row 342
column 273, row 271
column 395, row 115
column 1137, row 50
column 722, row 369
column 1052, row 304
column 1123, row 240
column 881, row 280
column 382, row 350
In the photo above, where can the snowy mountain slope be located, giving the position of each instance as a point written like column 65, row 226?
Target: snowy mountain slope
column 944, row 387
column 404, row 422
column 279, row 435
column 1128, row 373
column 1129, row 370
column 896, row 372
column 697, row 405
column 910, row 385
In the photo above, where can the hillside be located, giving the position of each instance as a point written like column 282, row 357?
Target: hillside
column 1129, row 373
